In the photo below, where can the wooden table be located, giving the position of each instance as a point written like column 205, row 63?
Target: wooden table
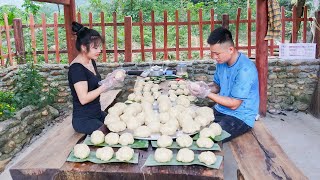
column 48, row 161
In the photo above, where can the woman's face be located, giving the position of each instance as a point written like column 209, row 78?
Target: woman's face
column 94, row 51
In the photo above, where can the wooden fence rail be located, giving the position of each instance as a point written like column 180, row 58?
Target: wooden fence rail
column 8, row 52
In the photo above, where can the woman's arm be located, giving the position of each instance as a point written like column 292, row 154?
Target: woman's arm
column 84, row 96
column 229, row 102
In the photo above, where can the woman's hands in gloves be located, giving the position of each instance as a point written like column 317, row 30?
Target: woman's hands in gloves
column 114, row 79
column 199, row 89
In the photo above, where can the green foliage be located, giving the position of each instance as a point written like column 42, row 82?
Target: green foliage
column 11, row 11
column 31, row 7
column 7, row 107
column 30, row 90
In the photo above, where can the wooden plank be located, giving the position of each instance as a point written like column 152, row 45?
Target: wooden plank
column 237, row 26
column 294, row 33
column 153, row 29
column 200, row 34
column 225, row 21
column 304, row 30
column 128, row 38
column 103, row 31
column 1, row 51
column 211, row 26
column 45, row 160
column 69, row 17
column 317, row 36
column 64, row 2
column 165, row 34
column 189, row 34
column 259, row 156
column 262, row 54
column 141, row 36
column 271, row 47
column 6, row 27
column 45, row 40
column 33, row 38
column 19, row 40
column 56, row 37
column 90, row 20
column 249, row 32
column 283, row 25
column 115, row 36
column 79, row 17
column 177, row 35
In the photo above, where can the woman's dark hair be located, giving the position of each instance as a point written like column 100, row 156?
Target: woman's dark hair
column 86, row 36
column 219, row 36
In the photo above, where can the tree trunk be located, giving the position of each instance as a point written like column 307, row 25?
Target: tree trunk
column 300, row 5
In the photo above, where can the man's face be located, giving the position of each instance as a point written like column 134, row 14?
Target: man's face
column 222, row 52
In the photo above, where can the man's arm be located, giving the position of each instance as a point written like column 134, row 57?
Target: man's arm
column 229, row 102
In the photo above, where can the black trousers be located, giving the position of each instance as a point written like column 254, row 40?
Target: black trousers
column 231, row 124
column 86, row 125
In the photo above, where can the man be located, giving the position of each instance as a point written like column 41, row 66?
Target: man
column 236, row 76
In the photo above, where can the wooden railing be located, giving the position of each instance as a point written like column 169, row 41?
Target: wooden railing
column 10, row 52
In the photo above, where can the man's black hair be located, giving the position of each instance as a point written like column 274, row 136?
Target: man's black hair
column 219, row 36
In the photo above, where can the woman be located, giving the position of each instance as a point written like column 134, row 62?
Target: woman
column 83, row 81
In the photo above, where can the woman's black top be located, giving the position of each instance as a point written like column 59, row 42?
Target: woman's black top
column 77, row 72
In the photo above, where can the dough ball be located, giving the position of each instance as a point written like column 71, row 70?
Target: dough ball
column 205, row 142
column 182, row 100
column 216, row 128
column 117, row 126
column 142, row 131
column 131, row 97
column 125, row 153
column 174, row 86
column 111, row 138
column 203, row 121
column 184, row 140
column 148, row 98
column 205, row 111
column 111, row 118
column 168, row 129
column 97, row 137
column 164, row 117
column 182, row 86
column 164, row 106
column 207, row 132
column 154, row 126
column 179, row 92
column 125, row 139
column 186, row 92
column 105, row 153
column 185, row 155
column 133, row 124
column 120, row 75
column 207, row 157
column 164, row 141
column 138, row 98
column 173, row 97
column 190, row 112
column 182, row 82
column 162, row 155
column 155, row 89
column 191, row 98
column 156, row 95
column 81, row 151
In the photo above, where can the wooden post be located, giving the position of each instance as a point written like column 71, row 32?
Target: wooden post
column 19, row 41
column 225, row 21
column 317, row 35
column 69, row 16
column 128, row 38
column 262, row 53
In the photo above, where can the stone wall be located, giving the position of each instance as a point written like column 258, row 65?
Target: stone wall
column 290, row 83
column 19, row 130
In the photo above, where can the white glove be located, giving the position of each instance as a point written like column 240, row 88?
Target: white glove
column 199, row 89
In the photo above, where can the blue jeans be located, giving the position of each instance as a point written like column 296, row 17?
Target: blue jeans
column 231, row 124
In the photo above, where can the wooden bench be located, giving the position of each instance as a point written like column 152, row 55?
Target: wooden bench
column 259, row 156
column 48, row 161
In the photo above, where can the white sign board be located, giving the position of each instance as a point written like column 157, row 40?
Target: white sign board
column 297, row 51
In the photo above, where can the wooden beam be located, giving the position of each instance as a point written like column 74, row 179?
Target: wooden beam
column 64, row 2
column 69, row 16
column 262, row 53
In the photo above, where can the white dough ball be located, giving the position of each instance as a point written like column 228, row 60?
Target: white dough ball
column 111, row 118
column 97, row 137
column 207, row 132
column 164, row 141
column 182, row 100
column 120, row 75
column 207, row 157
column 131, row 97
column 142, row 131
column 168, row 129
column 111, row 138
column 81, row 151
column 205, row 142
column 185, row 155
column 164, row 117
column 203, row 121
column 154, row 126
column 117, row 126
column 184, row 140
column 216, row 128
column 191, row 98
column 105, row 153
column 125, row 153
column 125, row 139
column 162, row 155
column 133, row 123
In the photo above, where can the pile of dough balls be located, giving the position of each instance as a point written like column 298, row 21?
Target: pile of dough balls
column 97, row 137
column 124, row 153
column 145, row 91
column 178, row 88
column 185, row 155
column 207, row 157
column 163, row 155
column 105, row 153
column 81, row 151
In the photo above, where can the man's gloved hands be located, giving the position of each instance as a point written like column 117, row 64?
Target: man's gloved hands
column 199, row 89
column 114, row 79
